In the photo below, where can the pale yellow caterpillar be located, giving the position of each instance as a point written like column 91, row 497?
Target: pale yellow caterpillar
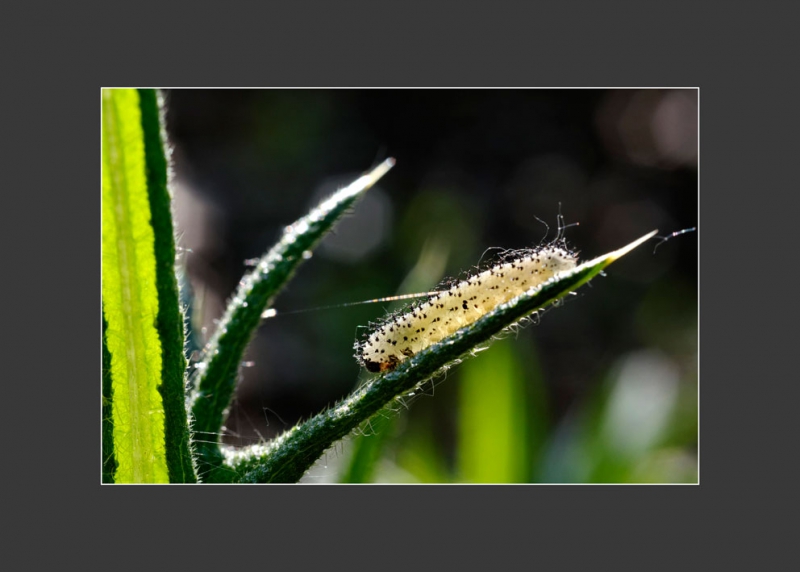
column 403, row 334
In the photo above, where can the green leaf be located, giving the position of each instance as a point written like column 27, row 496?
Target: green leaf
column 367, row 448
column 420, row 456
column 287, row 457
column 145, row 423
column 257, row 289
column 170, row 319
column 130, row 295
column 493, row 445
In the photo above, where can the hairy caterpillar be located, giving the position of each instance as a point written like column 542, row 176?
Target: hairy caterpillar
column 401, row 335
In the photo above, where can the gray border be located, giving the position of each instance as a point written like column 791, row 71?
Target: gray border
column 734, row 55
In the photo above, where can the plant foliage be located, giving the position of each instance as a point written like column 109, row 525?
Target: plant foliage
column 147, row 414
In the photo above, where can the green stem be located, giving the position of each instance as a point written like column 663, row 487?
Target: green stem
column 289, row 456
column 256, row 291
column 170, row 319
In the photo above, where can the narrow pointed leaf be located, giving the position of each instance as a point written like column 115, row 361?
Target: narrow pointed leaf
column 256, row 291
column 170, row 319
column 287, row 457
column 145, row 424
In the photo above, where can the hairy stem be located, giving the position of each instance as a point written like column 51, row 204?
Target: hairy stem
column 289, row 456
column 256, row 291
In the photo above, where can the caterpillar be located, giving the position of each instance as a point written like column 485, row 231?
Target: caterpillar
column 450, row 307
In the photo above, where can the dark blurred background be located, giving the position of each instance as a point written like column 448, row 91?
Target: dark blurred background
column 603, row 388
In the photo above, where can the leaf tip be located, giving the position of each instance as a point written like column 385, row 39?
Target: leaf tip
column 380, row 170
column 365, row 181
column 619, row 253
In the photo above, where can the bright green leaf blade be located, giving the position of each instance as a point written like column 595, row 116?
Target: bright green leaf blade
column 256, row 291
column 492, row 419
column 170, row 320
column 287, row 457
column 130, row 297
